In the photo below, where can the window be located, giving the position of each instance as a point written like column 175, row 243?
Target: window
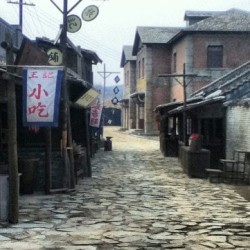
column 143, row 68
column 174, row 62
column 139, row 69
column 215, row 56
column 127, row 78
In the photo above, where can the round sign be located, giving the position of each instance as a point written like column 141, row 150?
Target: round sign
column 55, row 57
column 90, row 13
column 74, row 23
column 115, row 101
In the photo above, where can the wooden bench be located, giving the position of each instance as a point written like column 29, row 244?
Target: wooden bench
column 214, row 173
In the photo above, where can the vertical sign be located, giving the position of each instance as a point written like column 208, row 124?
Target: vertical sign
column 41, row 95
column 95, row 115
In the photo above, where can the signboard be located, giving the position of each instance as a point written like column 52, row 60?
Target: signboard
column 95, row 116
column 90, row 13
column 74, row 23
column 88, row 98
column 55, row 57
column 41, row 95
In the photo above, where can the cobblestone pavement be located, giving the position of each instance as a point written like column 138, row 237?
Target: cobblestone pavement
column 136, row 200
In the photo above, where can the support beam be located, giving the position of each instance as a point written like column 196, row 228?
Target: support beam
column 12, row 137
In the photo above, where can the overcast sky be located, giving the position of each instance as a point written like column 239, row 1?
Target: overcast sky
column 115, row 25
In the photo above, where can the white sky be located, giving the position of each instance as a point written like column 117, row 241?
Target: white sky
column 115, row 25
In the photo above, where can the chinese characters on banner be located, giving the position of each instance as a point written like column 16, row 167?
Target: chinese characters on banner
column 95, row 115
column 41, row 95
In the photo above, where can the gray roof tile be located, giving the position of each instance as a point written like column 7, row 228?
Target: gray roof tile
column 128, row 53
column 191, row 13
column 157, row 34
column 233, row 20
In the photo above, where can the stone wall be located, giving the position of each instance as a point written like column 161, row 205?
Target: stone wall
column 238, row 129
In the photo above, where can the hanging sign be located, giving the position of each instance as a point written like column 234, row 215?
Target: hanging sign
column 55, row 57
column 90, row 13
column 115, row 100
column 95, row 116
column 117, row 79
column 74, row 23
column 88, row 98
column 41, row 95
column 116, row 90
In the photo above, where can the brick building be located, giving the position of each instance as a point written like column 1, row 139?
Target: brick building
column 204, row 51
column 226, row 127
column 128, row 61
column 152, row 58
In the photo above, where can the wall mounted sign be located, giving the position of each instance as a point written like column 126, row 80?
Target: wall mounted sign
column 55, row 57
column 90, row 13
column 74, row 23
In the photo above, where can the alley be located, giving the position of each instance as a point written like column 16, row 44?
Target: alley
column 136, row 200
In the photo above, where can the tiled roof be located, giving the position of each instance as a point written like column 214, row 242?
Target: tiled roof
column 234, row 20
column 233, row 85
column 128, row 53
column 156, row 34
column 191, row 13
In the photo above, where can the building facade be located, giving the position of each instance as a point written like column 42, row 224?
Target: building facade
column 128, row 62
column 167, row 59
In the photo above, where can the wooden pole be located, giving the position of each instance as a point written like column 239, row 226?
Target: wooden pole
column 66, row 129
column 48, row 161
column 12, row 137
column 21, row 14
column 184, row 106
column 88, row 150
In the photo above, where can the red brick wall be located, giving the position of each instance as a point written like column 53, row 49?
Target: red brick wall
column 161, row 60
column 176, row 88
column 236, row 49
column 160, row 95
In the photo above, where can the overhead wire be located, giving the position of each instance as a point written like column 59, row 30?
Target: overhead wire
column 83, row 40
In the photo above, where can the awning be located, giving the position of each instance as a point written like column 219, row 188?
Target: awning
column 168, row 106
column 139, row 96
column 197, row 104
column 173, row 105
column 124, row 102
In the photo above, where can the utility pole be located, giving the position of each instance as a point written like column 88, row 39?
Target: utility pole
column 105, row 74
column 12, row 132
column 66, row 126
column 184, row 84
column 21, row 4
column 184, row 106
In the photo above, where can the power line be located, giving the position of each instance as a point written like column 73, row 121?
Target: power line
column 21, row 4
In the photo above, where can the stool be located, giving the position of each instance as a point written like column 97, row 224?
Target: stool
column 214, row 173
column 229, row 169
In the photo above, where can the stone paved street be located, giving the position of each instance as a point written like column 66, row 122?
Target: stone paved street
column 136, row 200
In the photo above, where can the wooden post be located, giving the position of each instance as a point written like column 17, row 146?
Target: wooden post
column 88, row 149
column 48, row 161
column 12, row 137
column 66, row 129
column 184, row 107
